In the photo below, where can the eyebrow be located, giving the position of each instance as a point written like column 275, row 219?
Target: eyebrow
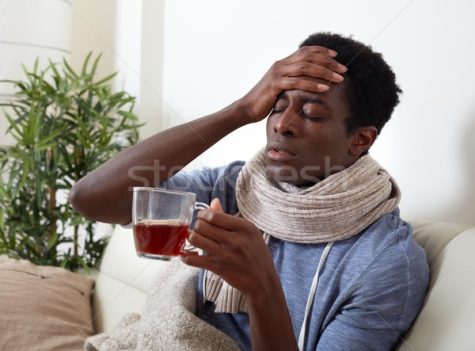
column 316, row 100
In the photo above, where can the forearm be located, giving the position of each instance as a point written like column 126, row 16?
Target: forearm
column 270, row 323
column 105, row 194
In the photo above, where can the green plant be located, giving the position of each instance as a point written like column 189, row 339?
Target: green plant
column 64, row 124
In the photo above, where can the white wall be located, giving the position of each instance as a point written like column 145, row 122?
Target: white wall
column 199, row 56
column 30, row 29
column 93, row 29
column 129, row 36
column 214, row 51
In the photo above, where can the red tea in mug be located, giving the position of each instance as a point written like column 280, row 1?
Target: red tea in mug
column 160, row 237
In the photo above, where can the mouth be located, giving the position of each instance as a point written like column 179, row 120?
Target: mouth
column 280, row 153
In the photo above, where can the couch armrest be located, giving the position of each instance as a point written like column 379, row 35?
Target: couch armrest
column 447, row 319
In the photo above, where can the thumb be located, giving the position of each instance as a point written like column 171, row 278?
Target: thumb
column 216, row 205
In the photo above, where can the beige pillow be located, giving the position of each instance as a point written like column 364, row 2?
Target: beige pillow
column 43, row 308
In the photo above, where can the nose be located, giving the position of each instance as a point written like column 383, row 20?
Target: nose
column 286, row 123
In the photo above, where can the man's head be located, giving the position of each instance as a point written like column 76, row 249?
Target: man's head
column 326, row 132
column 370, row 84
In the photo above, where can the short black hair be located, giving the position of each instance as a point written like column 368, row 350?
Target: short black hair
column 370, row 83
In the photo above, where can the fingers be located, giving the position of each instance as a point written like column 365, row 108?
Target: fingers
column 303, row 83
column 311, row 69
column 210, row 231
column 202, row 242
column 311, row 62
column 319, row 59
column 222, row 220
column 206, row 262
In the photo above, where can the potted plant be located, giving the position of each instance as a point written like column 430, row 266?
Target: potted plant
column 64, row 124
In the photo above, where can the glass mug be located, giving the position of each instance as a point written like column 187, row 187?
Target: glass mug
column 161, row 220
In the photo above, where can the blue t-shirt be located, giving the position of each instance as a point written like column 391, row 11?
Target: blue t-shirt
column 370, row 289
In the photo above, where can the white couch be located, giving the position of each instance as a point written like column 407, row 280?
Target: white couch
column 446, row 322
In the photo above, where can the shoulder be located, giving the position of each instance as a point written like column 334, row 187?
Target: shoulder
column 209, row 183
column 387, row 238
column 393, row 269
column 204, row 178
column 229, row 172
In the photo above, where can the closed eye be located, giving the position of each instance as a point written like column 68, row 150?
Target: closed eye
column 312, row 117
column 313, row 112
column 280, row 105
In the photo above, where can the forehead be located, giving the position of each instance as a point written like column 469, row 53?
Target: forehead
column 334, row 99
column 336, row 93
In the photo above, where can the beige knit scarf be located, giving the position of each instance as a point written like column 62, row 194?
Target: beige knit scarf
column 341, row 205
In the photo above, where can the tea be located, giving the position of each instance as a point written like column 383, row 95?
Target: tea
column 160, row 237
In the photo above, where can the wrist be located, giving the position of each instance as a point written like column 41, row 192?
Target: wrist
column 268, row 312
column 231, row 118
column 244, row 111
column 265, row 293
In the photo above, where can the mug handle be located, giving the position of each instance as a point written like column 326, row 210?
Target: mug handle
column 201, row 206
column 188, row 247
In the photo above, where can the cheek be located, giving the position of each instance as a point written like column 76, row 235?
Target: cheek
column 324, row 142
column 269, row 126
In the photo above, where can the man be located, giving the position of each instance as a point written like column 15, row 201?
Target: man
column 304, row 245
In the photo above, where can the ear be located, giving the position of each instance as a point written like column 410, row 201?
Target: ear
column 363, row 138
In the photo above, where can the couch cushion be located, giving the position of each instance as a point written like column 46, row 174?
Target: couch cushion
column 434, row 237
column 43, row 308
column 447, row 319
column 123, row 282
